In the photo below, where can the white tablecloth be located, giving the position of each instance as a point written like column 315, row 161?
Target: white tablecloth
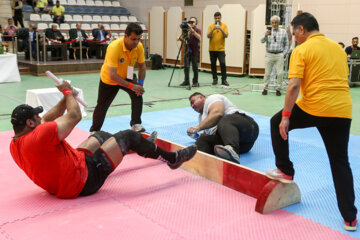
column 9, row 71
column 48, row 98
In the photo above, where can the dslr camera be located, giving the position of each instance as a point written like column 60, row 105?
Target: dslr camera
column 184, row 25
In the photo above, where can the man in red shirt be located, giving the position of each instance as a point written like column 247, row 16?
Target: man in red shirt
column 40, row 150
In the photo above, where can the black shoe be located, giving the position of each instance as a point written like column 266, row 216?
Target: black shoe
column 153, row 136
column 278, row 93
column 184, row 83
column 225, row 83
column 182, row 156
column 264, row 92
column 195, row 84
column 214, row 82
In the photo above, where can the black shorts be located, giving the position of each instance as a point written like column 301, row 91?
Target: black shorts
column 99, row 168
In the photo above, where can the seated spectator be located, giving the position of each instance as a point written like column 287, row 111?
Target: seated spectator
column 58, row 12
column 54, row 35
column 41, row 6
column 16, row 7
column 100, row 34
column 10, row 30
column 354, row 46
column 23, row 35
column 76, row 33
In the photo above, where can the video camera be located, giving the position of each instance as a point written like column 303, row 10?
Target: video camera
column 184, row 25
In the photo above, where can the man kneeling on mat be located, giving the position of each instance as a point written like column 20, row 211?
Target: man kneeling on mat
column 40, row 150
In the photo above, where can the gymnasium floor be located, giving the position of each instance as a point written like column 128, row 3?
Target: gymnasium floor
column 143, row 199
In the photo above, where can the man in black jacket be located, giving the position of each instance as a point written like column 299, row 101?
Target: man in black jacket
column 55, row 37
column 76, row 33
column 27, row 36
column 100, row 34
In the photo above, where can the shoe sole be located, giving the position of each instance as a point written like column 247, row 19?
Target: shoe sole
column 153, row 136
column 348, row 228
column 191, row 153
column 223, row 153
column 280, row 179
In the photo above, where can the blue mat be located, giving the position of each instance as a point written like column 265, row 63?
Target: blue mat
column 307, row 152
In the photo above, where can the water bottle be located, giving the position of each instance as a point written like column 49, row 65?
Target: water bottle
column 195, row 135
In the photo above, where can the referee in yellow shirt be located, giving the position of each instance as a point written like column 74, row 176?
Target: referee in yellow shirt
column 318, row 69
column 217, row 32
column 117, row 72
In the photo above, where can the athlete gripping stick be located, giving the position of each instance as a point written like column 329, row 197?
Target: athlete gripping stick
column 40, row 150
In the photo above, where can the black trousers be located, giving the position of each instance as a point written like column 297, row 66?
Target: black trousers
column 214, row 55
column 194, row 59
column 237, row 130
column 18, row 19
column 335, row 135
column 106, row 95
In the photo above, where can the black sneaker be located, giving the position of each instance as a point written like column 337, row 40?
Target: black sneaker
column 195, row 84
column 264, row 92
column 225, row 83
column 214, row 82
column 278, row 93
column 153, row 136
column 182, row 156
column 184, row 83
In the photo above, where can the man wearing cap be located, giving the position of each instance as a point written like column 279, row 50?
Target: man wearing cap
column 40, row 150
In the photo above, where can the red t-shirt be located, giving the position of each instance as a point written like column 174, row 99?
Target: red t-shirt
column 50, row 163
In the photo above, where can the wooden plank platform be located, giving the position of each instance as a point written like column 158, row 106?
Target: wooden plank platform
column 271, row 195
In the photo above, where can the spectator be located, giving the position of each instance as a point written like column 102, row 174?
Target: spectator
column 10, row 30
column 16, row 7
column 58, row 12
column 76, row 34
column 54, row 35
column 277, row 45
column 41, row 6
column 100, row 34
column 354, row 46
column 24, row 36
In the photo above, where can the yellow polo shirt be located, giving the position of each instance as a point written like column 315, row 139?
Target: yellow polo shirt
column 321, row 64
column 217, row 41
column 58, row 10
column 117, row 55
column 41, row 3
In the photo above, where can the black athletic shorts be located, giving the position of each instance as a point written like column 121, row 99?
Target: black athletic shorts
column 99, row 168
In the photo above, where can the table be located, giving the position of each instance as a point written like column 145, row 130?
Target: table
column 48, row 98
column 9, row 71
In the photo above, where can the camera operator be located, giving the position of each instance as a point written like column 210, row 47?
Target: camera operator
column 192, row 36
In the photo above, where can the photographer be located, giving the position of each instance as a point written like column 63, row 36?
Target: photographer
column 192, row 36
column 277, row 45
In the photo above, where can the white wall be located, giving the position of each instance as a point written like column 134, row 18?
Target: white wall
column 157, row 29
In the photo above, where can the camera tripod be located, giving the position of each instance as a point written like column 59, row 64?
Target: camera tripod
column 185, row 39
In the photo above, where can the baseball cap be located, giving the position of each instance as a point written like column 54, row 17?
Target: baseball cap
column 24, row 112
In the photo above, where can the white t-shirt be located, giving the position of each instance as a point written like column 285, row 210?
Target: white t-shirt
column 230, row 108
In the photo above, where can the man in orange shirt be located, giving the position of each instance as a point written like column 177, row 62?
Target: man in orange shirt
column 117, row 73
column 40, row 150
column 318, row 68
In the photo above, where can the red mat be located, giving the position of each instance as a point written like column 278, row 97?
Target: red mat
column 142, row 199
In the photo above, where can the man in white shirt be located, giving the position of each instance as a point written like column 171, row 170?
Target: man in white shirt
column 229, row 131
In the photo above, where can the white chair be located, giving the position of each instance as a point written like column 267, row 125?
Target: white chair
column 35, row 17
column 115, row 19
column 116, row 4
column 68, row 18
column 42, row 26
column 106, row 26
column 107, row 4
column 51, row 24
column 124, row 19
column 63, row 2
column 64, row 26
column 90, row 3
column 143, row 26
column 106, row 18
column 87, row 18
column 86, row 26
column 97, row 18
column 46, row 18
column 94, row 25
column 77, row 18
column 123, row 26
column 114, row 26
column 81, row 2
column 115, row 35
column 66, row 35
column 72, row 2
column 132, row 19
column 73, row 25
column 99, row 3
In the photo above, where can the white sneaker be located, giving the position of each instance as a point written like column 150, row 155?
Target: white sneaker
column 138, row 128
column 227, row 152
